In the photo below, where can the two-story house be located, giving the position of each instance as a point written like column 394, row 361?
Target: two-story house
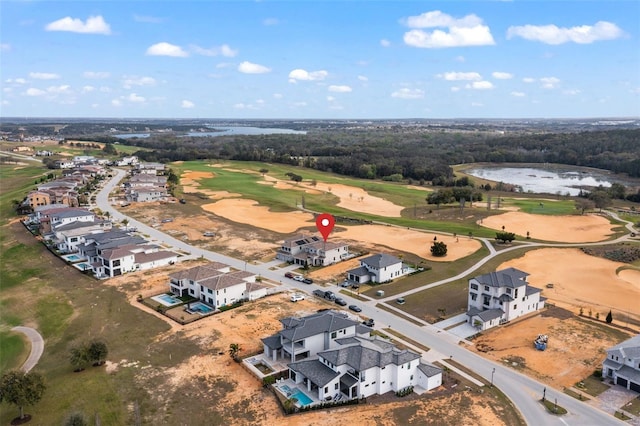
column 378, row 268
column 68, row 237
column 501, row 296
column 622, row 364
column 312, row 251
column 216, row 284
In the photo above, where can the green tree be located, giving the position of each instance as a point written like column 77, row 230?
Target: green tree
column 79, row 356
column 97, row 351
column 584, row 204
column 234, row 350
column 76, row 419
column 439, row 249
column 21, row 389
column 609, row 318
column 263, row 171
column 109, row 149
column 505, row 237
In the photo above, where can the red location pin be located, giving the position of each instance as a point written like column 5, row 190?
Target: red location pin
column 325, row 223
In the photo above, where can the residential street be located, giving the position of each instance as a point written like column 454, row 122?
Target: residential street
column 523, row 391
column 37, row 346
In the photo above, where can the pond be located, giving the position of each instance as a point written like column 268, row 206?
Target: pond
column 554, row 180
column 224, row 131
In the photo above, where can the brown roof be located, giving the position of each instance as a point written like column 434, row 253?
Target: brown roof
column 157, row 255
column 200, row 272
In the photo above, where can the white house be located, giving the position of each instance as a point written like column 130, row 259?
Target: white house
column 378, row 268
column 146, row 194
column 312, row 251
column 334, row 357
column 501, row 296
column 119, row 260
column 622, row 364
column 69, row 237
column 216, row 284
column 127, row 161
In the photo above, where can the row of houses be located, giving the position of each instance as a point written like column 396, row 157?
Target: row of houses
column 95, row 243
column 147, row 183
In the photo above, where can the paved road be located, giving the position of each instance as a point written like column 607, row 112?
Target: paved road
column 37, row 346
column 523, row 391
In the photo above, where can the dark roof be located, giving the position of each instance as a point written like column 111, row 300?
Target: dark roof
column 381, row 260
column 79, row 224
column 198, row 273
column 153, row 256
column 429, row 370
column 359, row 271
column 315, row 371
column 630, row 348
column 629, row 373
column 510, row 277
column 486, row 315
column 368, row 353
column 321, row 322
column 272, row 342
column 531, row 290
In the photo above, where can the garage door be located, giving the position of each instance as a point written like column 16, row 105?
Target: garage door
column 622, row 382
column 634, row 386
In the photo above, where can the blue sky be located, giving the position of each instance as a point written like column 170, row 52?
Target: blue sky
column 315, row 59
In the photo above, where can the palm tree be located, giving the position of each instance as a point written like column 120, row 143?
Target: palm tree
column 234, row 350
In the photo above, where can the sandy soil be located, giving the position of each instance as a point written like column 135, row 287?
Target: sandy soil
column 579, row 346
column 568, row 229
column 593, row 285
column 359, row 200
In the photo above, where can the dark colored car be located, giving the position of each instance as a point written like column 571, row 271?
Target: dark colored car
column 329, row 295
column 355, row 286
column 340, row 301
column 307, row 281
column 355, row 308
column 318, row 293
column 288, row 275
column 369, row 322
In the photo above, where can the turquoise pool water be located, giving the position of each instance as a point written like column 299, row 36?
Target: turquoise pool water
column 73, row 257
column 166, row 299
column 302, row 398
column 82, row 266
column 201, row 308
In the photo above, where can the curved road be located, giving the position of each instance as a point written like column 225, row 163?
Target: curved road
column 523, row 391
column 37, row 346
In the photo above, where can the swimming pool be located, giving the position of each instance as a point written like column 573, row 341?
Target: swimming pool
column 73, row 258
column 302, row 398
column 200, row 308
column 166, row 299
column 82, row 266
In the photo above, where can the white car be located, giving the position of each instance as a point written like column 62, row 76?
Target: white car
column 298, row 278
column 296, row 297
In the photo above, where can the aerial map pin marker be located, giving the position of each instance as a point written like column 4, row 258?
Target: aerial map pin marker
column 325, row 223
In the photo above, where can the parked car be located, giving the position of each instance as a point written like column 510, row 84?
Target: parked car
column 340, row 301
column 307, row 281
column 318, row 293
column 368, row 322
column 209, row 234
column 355, row 286
column 344, row 284
column 288, row 275
column 296, row 297
column 400, row 300
column 298, row 278
column 329, row 295
column 167, row 220
column 183, row 201
column 355, row 308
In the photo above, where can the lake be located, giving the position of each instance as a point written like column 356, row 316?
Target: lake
column 541, row 180
column 225, row 131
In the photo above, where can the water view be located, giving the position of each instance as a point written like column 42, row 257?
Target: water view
column 225, row 131
column 550, row 181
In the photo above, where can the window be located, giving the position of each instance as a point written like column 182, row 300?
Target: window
column 326, row 389
column 508, row 291
column 335, row 386
column 486, row 300
column 516, row 292
column 334, row 335
column 486, row 288
column 474, row 286
column 473, row 296
column 411, row 378
column 515, row 307
column 116, row 263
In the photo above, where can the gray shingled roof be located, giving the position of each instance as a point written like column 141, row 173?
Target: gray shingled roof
column 368, row 353
column 315, row 371
column 272, row 342
column 532, row 290
column 429, row 370
column 510, row 277
column 628, row 349
column 200, row 272
column 321, row 322
column 486, row 315
column 381, row 260
column 79, row 224
column 359, row 271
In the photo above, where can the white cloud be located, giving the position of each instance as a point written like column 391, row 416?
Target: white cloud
column 96, row 74
column 116, row 102
column 15, row 80
column 385, row 43
column 93, row 25
column 339, row 89
column 270, row 21
column 304, row 75
column 247, row 67
column 187, row 104
column 466, row 31
column 131, row 81
column 88, row 89
column 529, row 80
column 5, row 47
column 406, row 93
column 330, row 98
column 460, row 58
column 59, row 89
column 552, row 34
column 456, row 76
column 518, row 94
column 549, row 82
column 135, row 98
column 224, row 50
column 44, row 76
column 572, row 92
column 32, row 91
column 363, row 78
column 502, row 75
column 480, row 85
column 147, row 19
column 166, row 49
column 105, row 89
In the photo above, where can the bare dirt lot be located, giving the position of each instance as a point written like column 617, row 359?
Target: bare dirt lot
column 576, row 346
